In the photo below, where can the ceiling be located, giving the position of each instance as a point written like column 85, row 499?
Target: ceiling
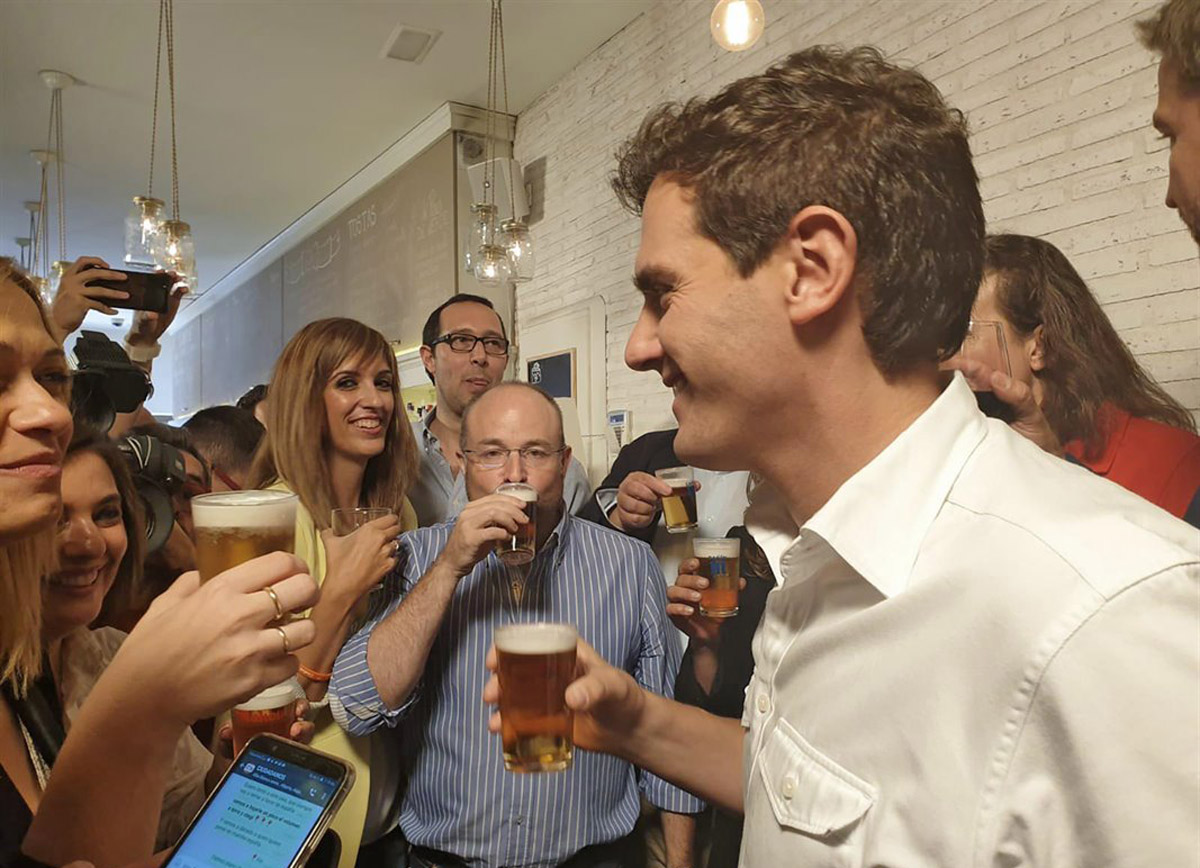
column 279, row 101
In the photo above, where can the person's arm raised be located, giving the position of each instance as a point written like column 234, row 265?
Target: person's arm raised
column 199, row 650
column 614, row 715
column 400, row 644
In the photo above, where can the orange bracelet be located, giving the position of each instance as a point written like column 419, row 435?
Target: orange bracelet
column 313, row 675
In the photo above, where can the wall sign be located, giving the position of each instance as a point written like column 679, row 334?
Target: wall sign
column 554, row 373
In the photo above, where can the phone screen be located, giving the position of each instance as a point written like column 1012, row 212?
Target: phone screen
column 261, row 816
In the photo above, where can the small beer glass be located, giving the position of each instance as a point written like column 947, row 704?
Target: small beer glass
column 536, row 664
column 720, row 563
column 344, row 522
column 233, row 527
column 679, row 507
column 521, row 546
column 273, row 710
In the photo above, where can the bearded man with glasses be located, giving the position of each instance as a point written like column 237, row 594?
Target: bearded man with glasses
column 418, row 661
column 465, row 352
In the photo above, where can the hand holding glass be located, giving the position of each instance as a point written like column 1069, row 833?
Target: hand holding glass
column 679, row 507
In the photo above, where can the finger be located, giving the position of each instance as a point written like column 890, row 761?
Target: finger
column 181, row 589
column 385, row 524
column 692, row 581
column 689, row 565
column 295, row 594
column 1011, row 391
column 82, row 262
column 94, row 274
column 494, row 723
column 102, row 308
column 256, row 574
column 641, row 493
column 302, row 709
column 302, row 731
column 586, row 692
column 656, row 487
column 682, row 594
column 96, row 293
column 491, row 690
column 680, row 610
column 742, row 583
column 300, row 633
column 493, row 660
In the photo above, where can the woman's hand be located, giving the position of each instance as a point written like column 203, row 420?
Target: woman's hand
column 359, row 561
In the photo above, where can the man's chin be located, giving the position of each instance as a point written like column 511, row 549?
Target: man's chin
column 698, row 448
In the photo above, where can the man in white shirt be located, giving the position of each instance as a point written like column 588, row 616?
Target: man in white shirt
column 978, row 654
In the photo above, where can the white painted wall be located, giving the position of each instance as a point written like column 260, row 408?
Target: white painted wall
column 1059, row 96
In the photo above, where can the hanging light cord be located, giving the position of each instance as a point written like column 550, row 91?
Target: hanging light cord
column 56, row 114
column 157, row 77
column 170, row 19
column 512, row 203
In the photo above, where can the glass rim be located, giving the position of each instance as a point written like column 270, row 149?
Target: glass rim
column 684, row 471
column 225, row 499
column 549, row 629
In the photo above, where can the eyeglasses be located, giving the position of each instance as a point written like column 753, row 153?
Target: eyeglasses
column 493, row 458
column 463, row 343
column 230, row 483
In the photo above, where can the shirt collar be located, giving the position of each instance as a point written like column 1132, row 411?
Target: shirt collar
column 1114, row 422
column 878, row 518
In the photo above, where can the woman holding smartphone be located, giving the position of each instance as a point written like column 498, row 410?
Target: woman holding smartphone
column 175, row 668
column 337, row 438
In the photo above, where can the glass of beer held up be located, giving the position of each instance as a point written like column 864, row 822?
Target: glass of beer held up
column 679, row 507
column 233, row 527
column 720, row 563
column 536, row 663
column 273, row 710
column 521, row 546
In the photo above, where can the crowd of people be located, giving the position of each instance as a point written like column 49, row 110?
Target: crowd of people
column 960, row 640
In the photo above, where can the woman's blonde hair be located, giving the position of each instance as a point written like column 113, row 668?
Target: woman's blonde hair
column 298, row 427
column 24, row 561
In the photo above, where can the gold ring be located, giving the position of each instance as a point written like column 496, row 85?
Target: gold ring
column 287, row 646
column 270, row 592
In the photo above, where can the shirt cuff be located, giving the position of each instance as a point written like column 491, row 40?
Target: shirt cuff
column 668, row 797
column 354, row 697
column 606, row 499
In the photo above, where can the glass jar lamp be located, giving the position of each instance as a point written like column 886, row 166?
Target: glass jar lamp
column 492, row 267
column 179, row 252
column 516, row 238
column 144, row 232
column 481, row 233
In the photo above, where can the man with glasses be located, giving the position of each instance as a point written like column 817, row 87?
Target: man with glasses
column 419, row 660
column 465, row 351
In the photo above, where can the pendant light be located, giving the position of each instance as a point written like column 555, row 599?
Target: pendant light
column 152, row 240
column 737, row 24
column 497, row 251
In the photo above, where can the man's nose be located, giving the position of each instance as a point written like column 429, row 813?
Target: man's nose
column 514, row 468
column 643, row 350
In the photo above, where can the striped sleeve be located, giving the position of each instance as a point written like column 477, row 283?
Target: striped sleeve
column 657, row 666
column 353, row 695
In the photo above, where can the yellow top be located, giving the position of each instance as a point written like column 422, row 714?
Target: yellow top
column 330, row 737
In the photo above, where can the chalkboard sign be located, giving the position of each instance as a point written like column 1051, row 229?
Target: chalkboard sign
column 554, row 373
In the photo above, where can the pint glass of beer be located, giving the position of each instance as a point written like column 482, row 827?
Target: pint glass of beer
column 233, row 527
column 520, row 547
column 273, row 710
column 679, row 507
column 537, row 662
column 720, row 563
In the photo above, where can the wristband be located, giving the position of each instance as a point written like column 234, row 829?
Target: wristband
column 314, row 675
column 143, row 353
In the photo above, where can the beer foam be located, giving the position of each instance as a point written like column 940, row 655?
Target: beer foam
column 245, row 509
column 535, row 638
column 519, row 490
column 674, row 475
column 276, row 696
column 716, row 548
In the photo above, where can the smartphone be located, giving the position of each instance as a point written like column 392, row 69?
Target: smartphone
column 269, row 810
column 148, row 290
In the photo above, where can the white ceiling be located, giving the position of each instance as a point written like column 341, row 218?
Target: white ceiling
column 279, row 101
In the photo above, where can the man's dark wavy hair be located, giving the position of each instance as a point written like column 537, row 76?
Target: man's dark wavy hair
column 846, row 129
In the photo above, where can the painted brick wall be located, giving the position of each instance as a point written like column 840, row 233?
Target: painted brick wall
column 1059, row 96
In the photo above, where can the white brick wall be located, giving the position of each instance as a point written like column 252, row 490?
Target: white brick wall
column 1059, row 96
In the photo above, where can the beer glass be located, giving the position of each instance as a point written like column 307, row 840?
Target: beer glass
column 233, row 527
column 347, row 521
column 344, row 522
column 521, row 546
column 679, row 507
column 273, row 710
column 720, row 563
column 536, row 663
column 985, row 343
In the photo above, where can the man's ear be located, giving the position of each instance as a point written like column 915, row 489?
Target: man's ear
column 566, row 459
column 427, row 360
column 1035, row 349
column 820, row 253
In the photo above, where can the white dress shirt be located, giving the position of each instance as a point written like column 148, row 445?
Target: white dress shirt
column 978, row 655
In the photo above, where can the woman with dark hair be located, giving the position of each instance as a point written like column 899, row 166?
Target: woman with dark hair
column 1108, row 413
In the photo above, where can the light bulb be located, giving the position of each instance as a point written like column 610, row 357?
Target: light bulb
column 492, row 266
column 737, row 24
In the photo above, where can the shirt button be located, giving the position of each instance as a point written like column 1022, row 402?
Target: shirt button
column 789, row 787
column 764, row 704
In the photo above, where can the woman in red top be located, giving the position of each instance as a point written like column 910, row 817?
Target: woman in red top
column 1110, row 414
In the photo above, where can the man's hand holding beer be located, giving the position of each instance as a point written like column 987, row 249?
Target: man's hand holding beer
column 683, row 604
column 481, row 524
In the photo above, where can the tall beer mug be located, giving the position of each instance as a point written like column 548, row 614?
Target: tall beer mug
column 233, row 527
column 536, row 664
column 521, row 546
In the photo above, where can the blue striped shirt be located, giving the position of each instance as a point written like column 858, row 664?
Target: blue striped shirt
column 459, row 798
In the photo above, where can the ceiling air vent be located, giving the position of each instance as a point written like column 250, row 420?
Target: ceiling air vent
column 410, row 44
